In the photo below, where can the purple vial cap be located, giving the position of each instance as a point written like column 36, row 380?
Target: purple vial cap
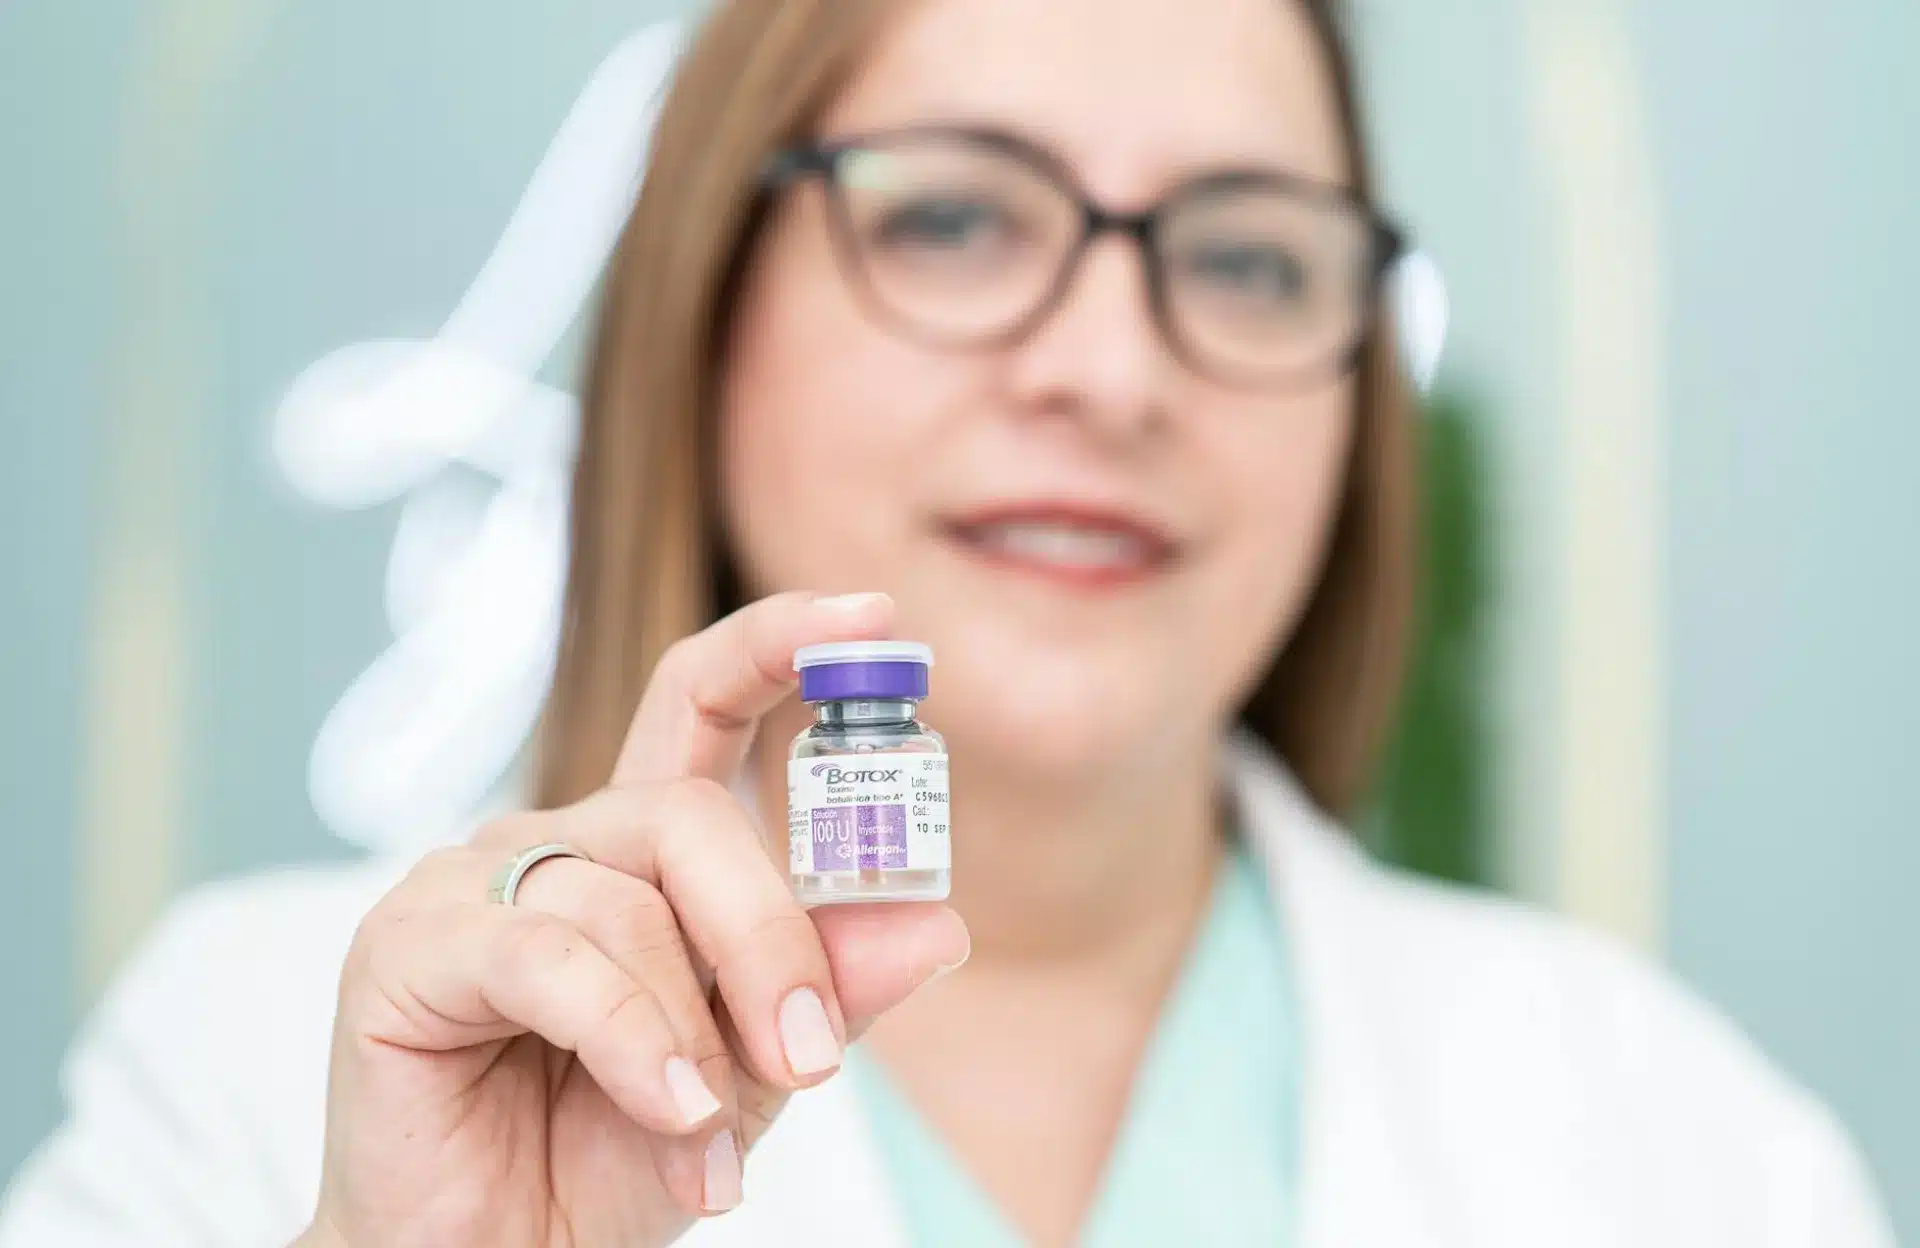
column 879, row 670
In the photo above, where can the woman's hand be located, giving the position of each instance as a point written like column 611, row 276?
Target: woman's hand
column 587, row 1066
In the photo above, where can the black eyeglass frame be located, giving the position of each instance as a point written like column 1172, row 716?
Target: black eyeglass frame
column 1387, row 242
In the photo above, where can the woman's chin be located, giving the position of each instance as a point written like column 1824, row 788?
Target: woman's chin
column 1033, row 730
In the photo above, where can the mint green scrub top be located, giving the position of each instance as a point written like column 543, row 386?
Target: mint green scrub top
column 1208, row 1150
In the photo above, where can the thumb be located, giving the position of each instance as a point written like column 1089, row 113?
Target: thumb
column 882, row 954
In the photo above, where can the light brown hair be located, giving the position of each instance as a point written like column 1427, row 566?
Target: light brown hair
column 647, row 564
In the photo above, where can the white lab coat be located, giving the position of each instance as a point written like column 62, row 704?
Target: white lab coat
column 1475, row 1075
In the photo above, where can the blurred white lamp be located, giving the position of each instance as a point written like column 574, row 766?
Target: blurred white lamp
column 481, row 451
column 1419, row 298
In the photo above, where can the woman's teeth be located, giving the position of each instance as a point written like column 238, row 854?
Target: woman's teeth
column 1064, row 546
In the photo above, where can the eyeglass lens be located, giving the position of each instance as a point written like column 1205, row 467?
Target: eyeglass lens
column 966, row 241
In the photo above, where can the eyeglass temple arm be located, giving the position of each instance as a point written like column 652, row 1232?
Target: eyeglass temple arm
column 790, row 164
column 1390, row 246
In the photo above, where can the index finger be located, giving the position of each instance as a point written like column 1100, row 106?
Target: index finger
column 709, row 690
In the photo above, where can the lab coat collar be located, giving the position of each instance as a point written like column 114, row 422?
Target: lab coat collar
column 818, row 1176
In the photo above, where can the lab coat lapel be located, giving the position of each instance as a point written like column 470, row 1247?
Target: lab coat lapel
column 1362, row 1162
column 818, row 1181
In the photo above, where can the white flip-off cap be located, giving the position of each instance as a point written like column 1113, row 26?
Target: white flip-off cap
column 862, row 652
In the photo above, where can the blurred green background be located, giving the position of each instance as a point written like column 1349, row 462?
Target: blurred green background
column 200, row 197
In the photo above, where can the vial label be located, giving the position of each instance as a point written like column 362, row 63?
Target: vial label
column 867, row 812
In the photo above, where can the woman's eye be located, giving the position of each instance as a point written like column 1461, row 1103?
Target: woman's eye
column 945, row 223
column 1261, row 271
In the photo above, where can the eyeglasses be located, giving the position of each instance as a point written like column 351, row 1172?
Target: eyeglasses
column 970, row 238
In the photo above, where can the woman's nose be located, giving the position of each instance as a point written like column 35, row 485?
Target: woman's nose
column 1097, row 354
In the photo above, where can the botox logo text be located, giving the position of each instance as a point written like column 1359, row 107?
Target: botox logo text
column 833, row 774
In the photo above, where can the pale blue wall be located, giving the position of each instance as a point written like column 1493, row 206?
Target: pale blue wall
column 1790, row 150
column 54, row 211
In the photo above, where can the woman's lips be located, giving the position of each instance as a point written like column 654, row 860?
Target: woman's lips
column 1069, row 545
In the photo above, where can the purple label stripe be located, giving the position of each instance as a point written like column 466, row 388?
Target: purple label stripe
column 859, row 838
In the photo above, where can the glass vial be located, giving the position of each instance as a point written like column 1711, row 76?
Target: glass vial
column 867, row 798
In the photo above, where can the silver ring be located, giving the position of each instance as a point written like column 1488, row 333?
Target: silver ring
column 506, row 881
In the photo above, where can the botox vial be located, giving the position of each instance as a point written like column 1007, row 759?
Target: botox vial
column 867, row 797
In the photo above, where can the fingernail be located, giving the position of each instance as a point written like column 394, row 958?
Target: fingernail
column 941, row 972
column 807, row 1034
column 691, row 1095
column 721, row 1185
column 850, row 604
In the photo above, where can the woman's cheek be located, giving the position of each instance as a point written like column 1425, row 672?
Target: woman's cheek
column 1270, row 567
column 812, row 503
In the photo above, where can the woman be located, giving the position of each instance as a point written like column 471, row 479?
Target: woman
column 1059, row 325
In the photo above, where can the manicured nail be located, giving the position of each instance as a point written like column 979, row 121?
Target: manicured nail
column 941, row 972
column 691, row 1095
column 807, row 1034
column 850, row 604
column 721, row 1187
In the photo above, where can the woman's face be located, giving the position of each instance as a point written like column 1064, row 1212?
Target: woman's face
column 1103, row 546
